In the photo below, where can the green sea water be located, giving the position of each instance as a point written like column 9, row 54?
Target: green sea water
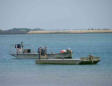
column 24, row 72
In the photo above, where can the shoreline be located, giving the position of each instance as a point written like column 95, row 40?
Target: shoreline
column 69, row 31
column 59, row 32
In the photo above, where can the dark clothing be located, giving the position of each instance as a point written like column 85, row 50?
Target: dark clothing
column 39, row 55
column 42, row 53
column 45, row 51
column 18, row 46
column 39, row 52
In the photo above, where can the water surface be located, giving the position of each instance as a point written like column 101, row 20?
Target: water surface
column 24, row 72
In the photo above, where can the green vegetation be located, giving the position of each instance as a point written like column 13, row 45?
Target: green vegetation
column 19, row 30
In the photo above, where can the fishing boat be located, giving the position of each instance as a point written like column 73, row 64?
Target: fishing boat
column 28, row 54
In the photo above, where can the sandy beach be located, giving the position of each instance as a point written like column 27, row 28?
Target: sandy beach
column 68, row 31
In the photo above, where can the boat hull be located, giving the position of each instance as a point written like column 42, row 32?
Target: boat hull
column 89, row 62
column 58, row 61
column 65, row 61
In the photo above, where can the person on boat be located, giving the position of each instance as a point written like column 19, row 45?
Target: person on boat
column 45, row 50
column 91, row 58
column 40, row 52
column 22, row 45
column 19, row 48
column 69, row 50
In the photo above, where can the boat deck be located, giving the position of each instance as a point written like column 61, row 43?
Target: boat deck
column 58, row 61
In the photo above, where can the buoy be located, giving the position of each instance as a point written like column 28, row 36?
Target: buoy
column 62, row 51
